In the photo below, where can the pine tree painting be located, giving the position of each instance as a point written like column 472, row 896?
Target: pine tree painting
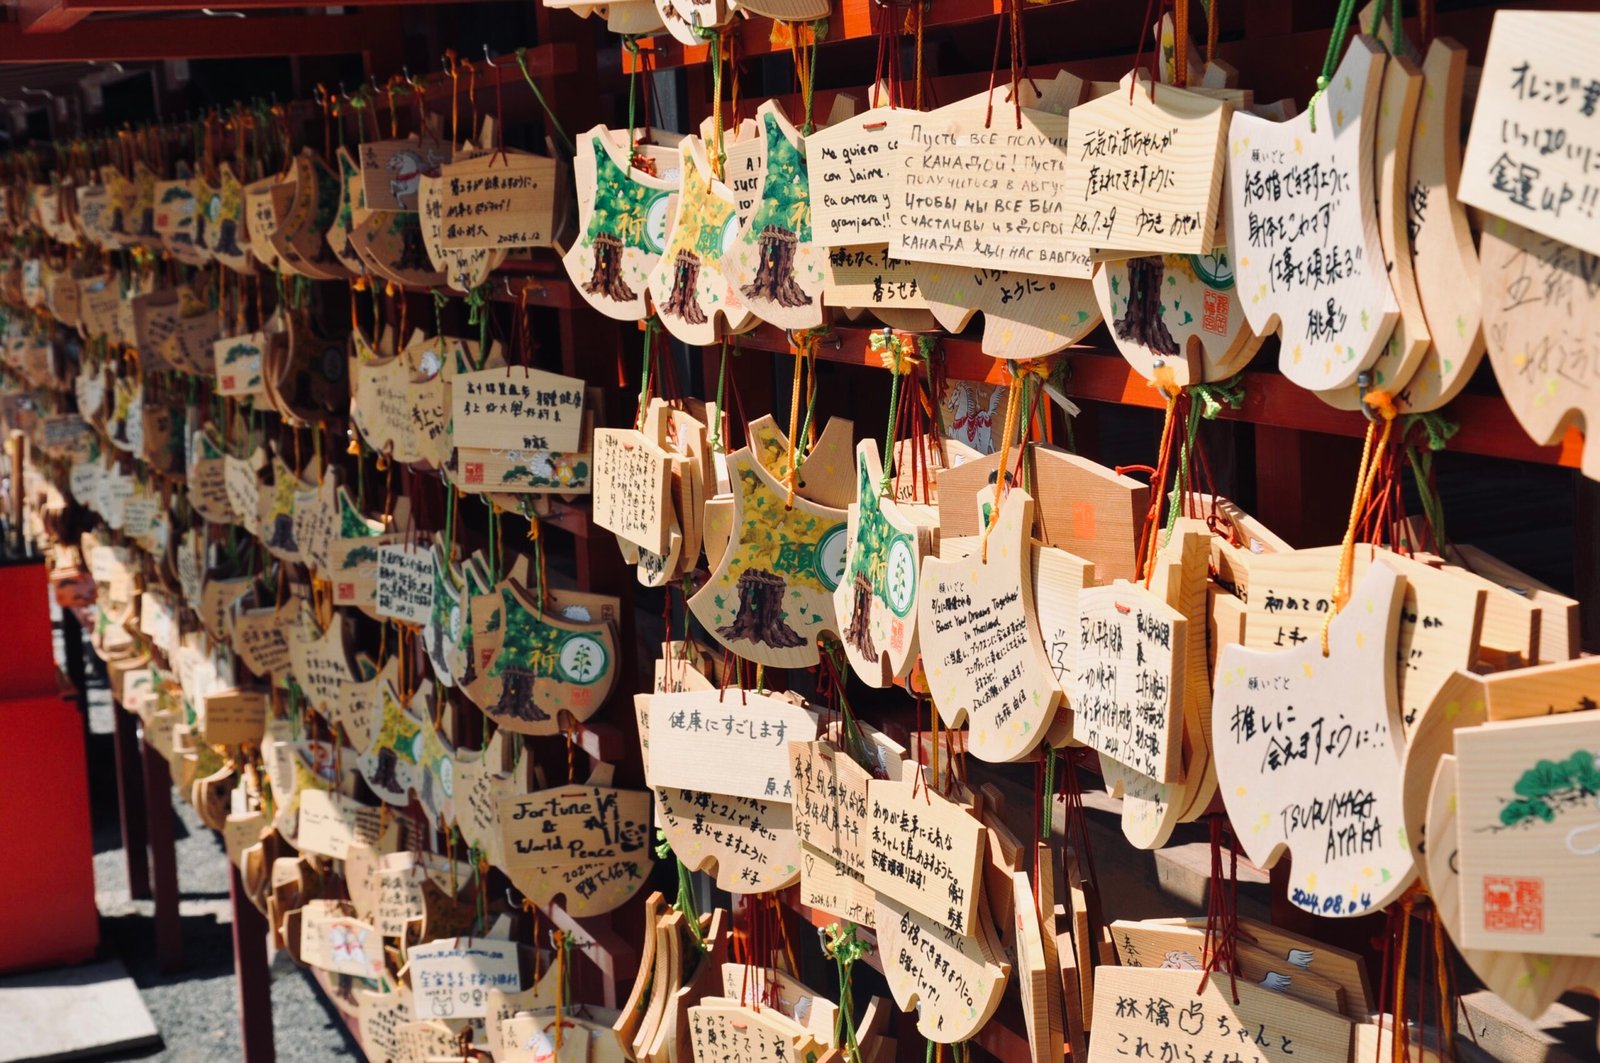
column 1551, row 787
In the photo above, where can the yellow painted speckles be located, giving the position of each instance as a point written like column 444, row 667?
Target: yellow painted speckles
column 1452, row 709
column 1311, row 881
column 1327, row 365
column 1370, row 607
column 1361, row 640
column 1544, row 966
column 1241, row 790
column 1348, row 86
column 1005, row 337
column 1299, row 148
column 1422, row 130
column 1306, row 666
column 1338, row 118
column 1298, row 352
column 1367, row 871
column 1452, row 804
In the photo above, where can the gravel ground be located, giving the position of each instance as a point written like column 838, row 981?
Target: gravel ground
column 196, row 1010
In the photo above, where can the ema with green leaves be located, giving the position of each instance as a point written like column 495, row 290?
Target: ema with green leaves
column 1552, row 787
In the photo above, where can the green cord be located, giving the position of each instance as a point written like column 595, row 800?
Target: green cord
column 1341, row 29
column 555, row 123
column 841, row 944
column 685, row 901
column 1047, row 804
column 650, row 325
column 717, row 444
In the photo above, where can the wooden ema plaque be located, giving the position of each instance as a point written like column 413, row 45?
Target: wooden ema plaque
column 1539, row 318
column 333, row 940
column 451, row 977
column 1527, row 830
column 1128, row 680
column 980, row 639
column 748, row 843
column 498, row 200
column 851, row 168
column 224, row 228
column 1308, row 755
column 926, row 852
column 517, row 408
column 1154, row 1012
column 392, row 169
column 390, row 243
column 1144, row 168
column 726, row 742
column 773, row 265
column 330, row 823
column 771, row 594
column 1179, row 313
column 1410, row 341
column 693, row 297
column 876, row 604
column 571, row 825
column 1316, row 282
column 1175, row 945
column 1528, row 981
column 1152, row 809
column 1460, row 702
column 953, row 981
column 1528, row 157
column 967, row 191
column 626, row 217
column 632, row 479
column 531, row 664
column 724, row 1031
column 1441, row 621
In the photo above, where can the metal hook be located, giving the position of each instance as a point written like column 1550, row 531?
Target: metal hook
column 211, row 12
column 488, row 59
column 1363, row 385
column 38, row 92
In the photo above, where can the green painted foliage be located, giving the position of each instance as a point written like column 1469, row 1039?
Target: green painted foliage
column 620, row 203
column 786, row 192
column 1551, row 785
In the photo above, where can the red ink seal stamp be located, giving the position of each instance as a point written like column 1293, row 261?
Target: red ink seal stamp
column 1513, row 904
column 1214, row 317
column 474, row 472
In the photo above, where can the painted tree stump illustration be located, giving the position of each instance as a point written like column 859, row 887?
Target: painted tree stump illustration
column 761, row 613
column 606, row 280
column 858, row 634
column 680, row 300
column 774, row 279
column 1141, row 322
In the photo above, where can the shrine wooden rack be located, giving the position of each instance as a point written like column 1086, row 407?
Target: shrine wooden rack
column 1276, row 46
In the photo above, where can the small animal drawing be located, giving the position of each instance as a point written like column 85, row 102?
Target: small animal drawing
column 408, row 169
